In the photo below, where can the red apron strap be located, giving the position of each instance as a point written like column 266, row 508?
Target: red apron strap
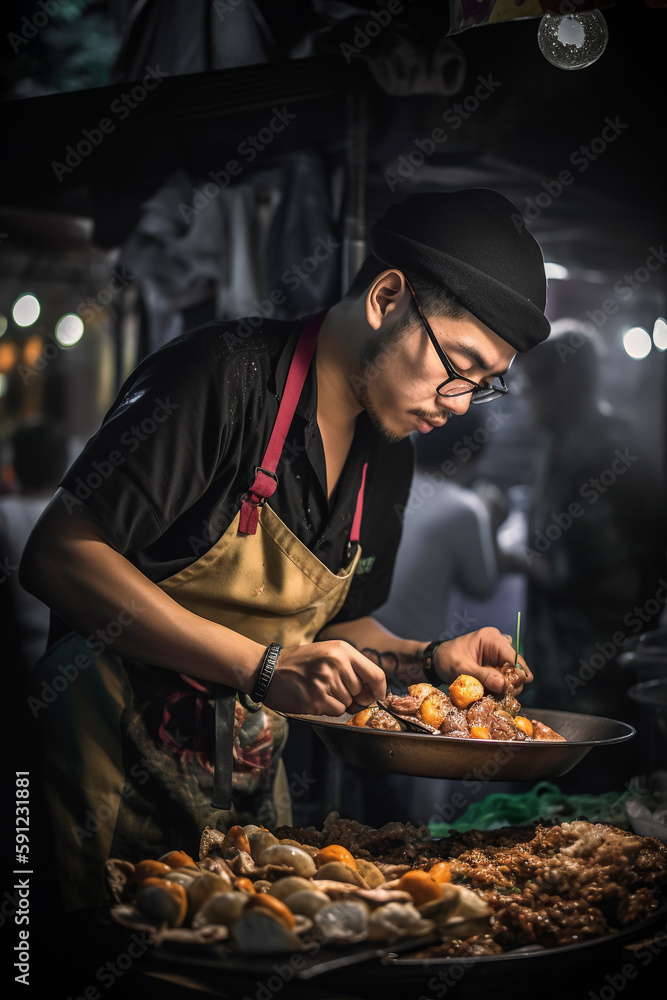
column 356, row 523
column 265, row 483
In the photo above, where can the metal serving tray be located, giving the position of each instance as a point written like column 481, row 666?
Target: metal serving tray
column 456, row 757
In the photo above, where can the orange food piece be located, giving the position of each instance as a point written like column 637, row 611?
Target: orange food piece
column 149, row 869
column 263, row 901
column 236, row 837
column 465, row 690
column 434, row 708
column 524, row 724
column 178, row 859
column 420, row 885
column 441, row 872
column 243, row 885
column 334, row 852
column 362, row 717
column 480, row 732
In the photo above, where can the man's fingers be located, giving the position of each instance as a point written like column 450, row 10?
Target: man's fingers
column 526, row 669
column 491, row 678
column 371, row 676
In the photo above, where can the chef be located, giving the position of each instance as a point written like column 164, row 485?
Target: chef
column 215, row 554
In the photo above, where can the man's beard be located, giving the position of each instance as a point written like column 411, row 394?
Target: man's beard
column 373, row 349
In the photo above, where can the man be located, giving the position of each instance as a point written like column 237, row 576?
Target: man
column 232, row 526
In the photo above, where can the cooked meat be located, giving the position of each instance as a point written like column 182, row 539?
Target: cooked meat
column 509, row 703
column 455, row 724
column 383, row 720
column 404, row 704
column 482, row 712
column 501, row 728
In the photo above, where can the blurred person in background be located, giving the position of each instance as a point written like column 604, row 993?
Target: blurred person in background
column 449, row 531
column 596, row 539
column 39, row 456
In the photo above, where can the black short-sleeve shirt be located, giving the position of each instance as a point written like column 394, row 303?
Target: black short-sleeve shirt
column 168, row 468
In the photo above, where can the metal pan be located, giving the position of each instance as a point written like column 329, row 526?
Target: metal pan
column 455, row 757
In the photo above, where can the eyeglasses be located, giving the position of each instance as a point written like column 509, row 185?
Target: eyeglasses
column 455, row 384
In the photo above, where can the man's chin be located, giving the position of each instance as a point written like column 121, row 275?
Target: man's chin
column 388, row 434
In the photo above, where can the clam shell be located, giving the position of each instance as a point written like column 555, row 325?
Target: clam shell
column 338, row 871
column 259, row 841
column 260, row 933
column 284, row 854
column 306, row 902
column 289, row 885
column 202, row 889
column 224, row 908
column 160, row 903
column 397, row 920
column 345, row 922
column 181, row 876
column 369, row 872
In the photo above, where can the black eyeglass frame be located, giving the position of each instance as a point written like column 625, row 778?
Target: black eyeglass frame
column 480, row 393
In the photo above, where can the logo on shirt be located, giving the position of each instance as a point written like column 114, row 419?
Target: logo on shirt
column 365, row 565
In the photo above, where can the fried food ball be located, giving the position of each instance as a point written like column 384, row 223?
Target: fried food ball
column 465, row 690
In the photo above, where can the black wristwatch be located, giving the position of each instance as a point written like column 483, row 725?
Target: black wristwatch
column 428, row 659
column 266, row 670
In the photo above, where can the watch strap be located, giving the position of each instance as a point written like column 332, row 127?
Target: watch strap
column 266, row 671
column 428, row 663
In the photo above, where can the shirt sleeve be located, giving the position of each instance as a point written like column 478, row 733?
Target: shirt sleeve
column 389, row 476
column 159, row 445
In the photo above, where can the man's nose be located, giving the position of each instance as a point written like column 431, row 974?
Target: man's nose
column 457, row 405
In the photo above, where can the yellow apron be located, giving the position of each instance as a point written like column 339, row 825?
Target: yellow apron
column 128, row 766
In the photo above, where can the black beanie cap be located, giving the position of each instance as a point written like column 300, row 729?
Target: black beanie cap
column 475, row 243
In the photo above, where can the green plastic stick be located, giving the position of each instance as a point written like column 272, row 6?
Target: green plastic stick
column 518, row 632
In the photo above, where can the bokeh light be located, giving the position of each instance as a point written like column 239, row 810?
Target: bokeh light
column 32, row 350
column 69, row 329
column 26, row 309
column 3, row 323
column 9, row 354
column 660, row 334
column 556, row 271
column 637, row 342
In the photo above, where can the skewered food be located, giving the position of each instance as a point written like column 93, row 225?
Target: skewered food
column 466, row 711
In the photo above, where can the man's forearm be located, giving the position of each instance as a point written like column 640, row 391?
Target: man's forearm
column 106, row 599
column 369, row 636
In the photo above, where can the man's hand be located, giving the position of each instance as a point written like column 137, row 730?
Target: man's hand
column 324, row 678
column 480, row 654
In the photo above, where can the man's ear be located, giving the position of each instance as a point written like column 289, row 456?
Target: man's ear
column 386, row 297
